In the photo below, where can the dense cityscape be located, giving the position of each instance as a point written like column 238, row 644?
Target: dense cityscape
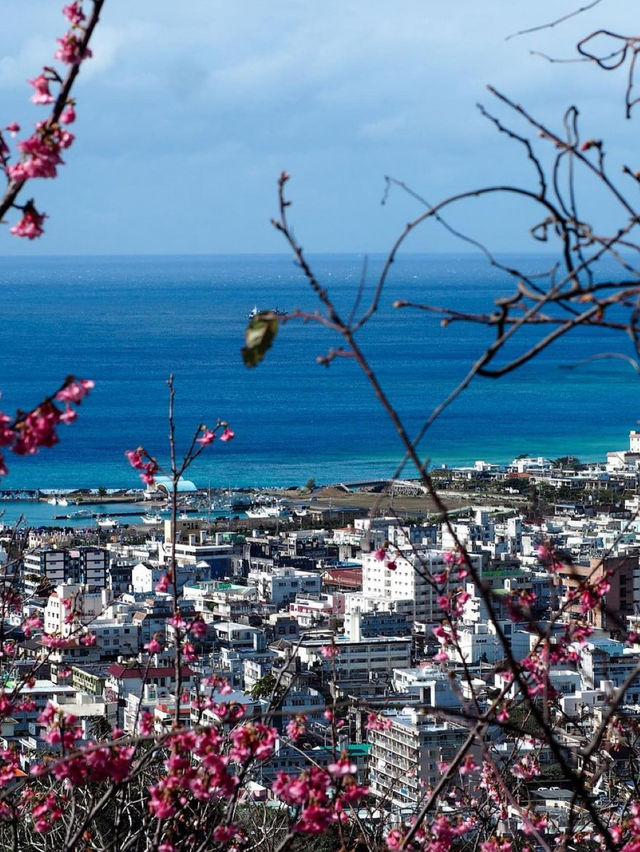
column 320, row 615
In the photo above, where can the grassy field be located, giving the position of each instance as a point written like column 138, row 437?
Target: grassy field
column 336, row 498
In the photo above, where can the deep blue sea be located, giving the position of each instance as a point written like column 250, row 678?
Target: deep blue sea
column 128, row 322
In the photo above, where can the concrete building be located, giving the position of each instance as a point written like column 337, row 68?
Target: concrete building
column 405, row 583
column 51, row 566
column 282, row 584
column 71, row 605
column 408, row 755
column 312, row 610
column 616, row 604
column 357, row 658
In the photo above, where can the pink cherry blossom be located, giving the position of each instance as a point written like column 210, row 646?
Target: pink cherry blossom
column 394, row 839
column 468, row 765
column 135, row 457
column 189, row 652
column 342, row 767
column 376, row 722
column 329, row 651
column 68, row 114
column 149, row 469
column 206, row 437
column 42, row 95
column 68, row 415
column 227, row 435
column 74, row 13
column 163, row 583
column 41, row 153
column 30, row 226
column 70, row 50
column 198, row 628
column 75, row 391
column 296, row 727
column 51, row 641
column 148, row 477
column 503, row 714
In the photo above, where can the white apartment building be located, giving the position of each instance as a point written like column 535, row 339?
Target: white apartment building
column 71, row 597
column 407, row 756
column 192, row 545
column 145, row 576
column 472, row 532
column 403, row 588
column 587, row 699
column 45, row 565
column 238, row 636
column 479, row 642
column 430, row 684
column 309, row 611
column 87, row 709
column 281, row 585
column 216, row 599
column 359, row 659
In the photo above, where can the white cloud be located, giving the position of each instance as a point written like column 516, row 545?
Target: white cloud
column 384, row 128
column 346, row 90
column 26, row 63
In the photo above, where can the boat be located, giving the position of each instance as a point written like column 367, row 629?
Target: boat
column 57, row 501
column 255, row 311
column 107, row 523
column 152, row 519
column 82, row 513
column 265, row 511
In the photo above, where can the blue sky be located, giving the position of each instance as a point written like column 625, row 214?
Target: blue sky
column 187, row 113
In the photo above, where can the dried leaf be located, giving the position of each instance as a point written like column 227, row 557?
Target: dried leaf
column 258, row 337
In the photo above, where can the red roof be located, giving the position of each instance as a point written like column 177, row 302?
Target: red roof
column 351, row 577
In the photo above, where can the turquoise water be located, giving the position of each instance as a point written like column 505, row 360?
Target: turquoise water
column 38, row 513
column 128, row 322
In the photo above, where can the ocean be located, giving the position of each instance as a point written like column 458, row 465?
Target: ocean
column 128, row 322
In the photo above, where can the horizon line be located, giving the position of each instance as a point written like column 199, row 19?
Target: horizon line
column 281, row 254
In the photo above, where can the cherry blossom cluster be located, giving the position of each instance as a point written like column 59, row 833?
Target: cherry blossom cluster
column 441, row 835
column 447, row 636
column 46, row 811
column 148, row 469
column 377, row 722
column 320, row 797
column 207, row 436
column 588, row 592
column 226, row 712
column 387, row 555
column 199, row 768
column 25, row 434
column 526, row 767
column 203, row 779
column 41, row 153
column 196, row 627
column 296, row 727
column 140, row 460
column 92, row 763
column 330, row 652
